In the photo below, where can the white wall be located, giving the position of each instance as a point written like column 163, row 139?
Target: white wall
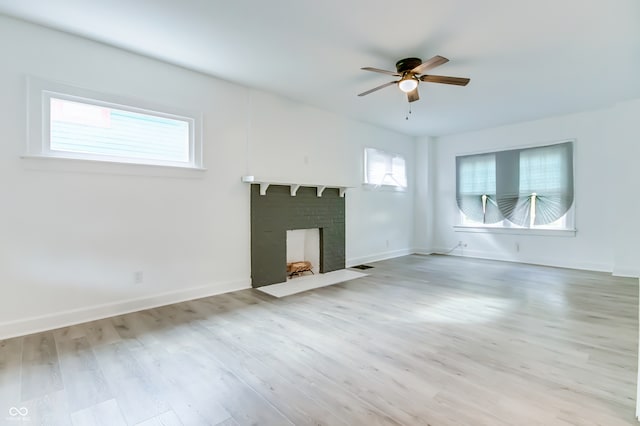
column 379, row 222
column 426, row 170
column 606, row 154
column 294, row 141
column 73, row 236
column 625, row 181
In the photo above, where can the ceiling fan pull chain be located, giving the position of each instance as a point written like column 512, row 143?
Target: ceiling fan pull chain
column 407, row 117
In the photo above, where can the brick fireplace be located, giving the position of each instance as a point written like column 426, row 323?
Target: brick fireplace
column 278, row 211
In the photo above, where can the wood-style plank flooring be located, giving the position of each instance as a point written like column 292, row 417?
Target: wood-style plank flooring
column 423, row 340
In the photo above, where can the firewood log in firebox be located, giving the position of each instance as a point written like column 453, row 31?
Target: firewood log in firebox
column 298, row 268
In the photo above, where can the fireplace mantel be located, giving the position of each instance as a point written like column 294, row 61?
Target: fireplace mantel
column 264, row 185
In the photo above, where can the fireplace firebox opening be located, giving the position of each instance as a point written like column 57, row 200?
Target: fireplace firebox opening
column 303, row 252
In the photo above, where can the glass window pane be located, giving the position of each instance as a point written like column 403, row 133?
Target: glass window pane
column 97, row 130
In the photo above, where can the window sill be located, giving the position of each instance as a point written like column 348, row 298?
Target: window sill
column 386, row 188
column 516, row 231
column 64, row 164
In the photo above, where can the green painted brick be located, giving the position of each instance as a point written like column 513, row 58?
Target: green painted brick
column 276, row 212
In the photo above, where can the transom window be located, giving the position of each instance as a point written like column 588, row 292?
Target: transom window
column 78, row 124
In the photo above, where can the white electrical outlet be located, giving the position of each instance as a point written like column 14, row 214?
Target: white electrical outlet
column 138, row 277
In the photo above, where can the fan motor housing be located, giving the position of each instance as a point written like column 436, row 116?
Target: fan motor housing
column 407, row 64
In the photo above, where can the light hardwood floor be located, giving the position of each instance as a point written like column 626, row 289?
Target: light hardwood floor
column 423, row 340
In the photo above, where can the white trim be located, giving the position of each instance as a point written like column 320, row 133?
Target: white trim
column 57, row 164
column 542, row 261
column 293, row 187
column 384, row 187
column 377, row 257
column 76, row 316
column 40, row 91
column 626, row 272
column 516, row 231
column 525, row 146
column 638, row 380
column 423, row 251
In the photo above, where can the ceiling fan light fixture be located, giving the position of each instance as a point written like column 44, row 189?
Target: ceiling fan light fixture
column 408, row 84
column 412, row 72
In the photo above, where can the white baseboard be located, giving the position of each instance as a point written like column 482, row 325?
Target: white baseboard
column 573, row 264
column 377, row 257
column 76, row 316
column 423, row 251
column 626, row 272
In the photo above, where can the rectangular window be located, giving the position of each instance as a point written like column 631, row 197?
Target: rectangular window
column 521, row 188
column 79, row 124
column 384, row 169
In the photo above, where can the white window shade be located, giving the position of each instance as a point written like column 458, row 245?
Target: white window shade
column 545, row 185
column 529, row 187
column 477, row 174
column 384, row 169
column 476, row 188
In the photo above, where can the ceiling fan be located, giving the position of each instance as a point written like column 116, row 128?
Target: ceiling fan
column 411, row 72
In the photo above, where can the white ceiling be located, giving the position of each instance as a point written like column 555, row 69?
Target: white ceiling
column 526, row 59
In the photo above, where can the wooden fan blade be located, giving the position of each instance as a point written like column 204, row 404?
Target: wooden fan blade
column 458, row 81
column 413, row 96
column 431, row 63
column 377, row 88
column 393, row 73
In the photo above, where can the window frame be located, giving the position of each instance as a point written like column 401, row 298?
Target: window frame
column 462, row 224
column 39, row 95
column 390, row 156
